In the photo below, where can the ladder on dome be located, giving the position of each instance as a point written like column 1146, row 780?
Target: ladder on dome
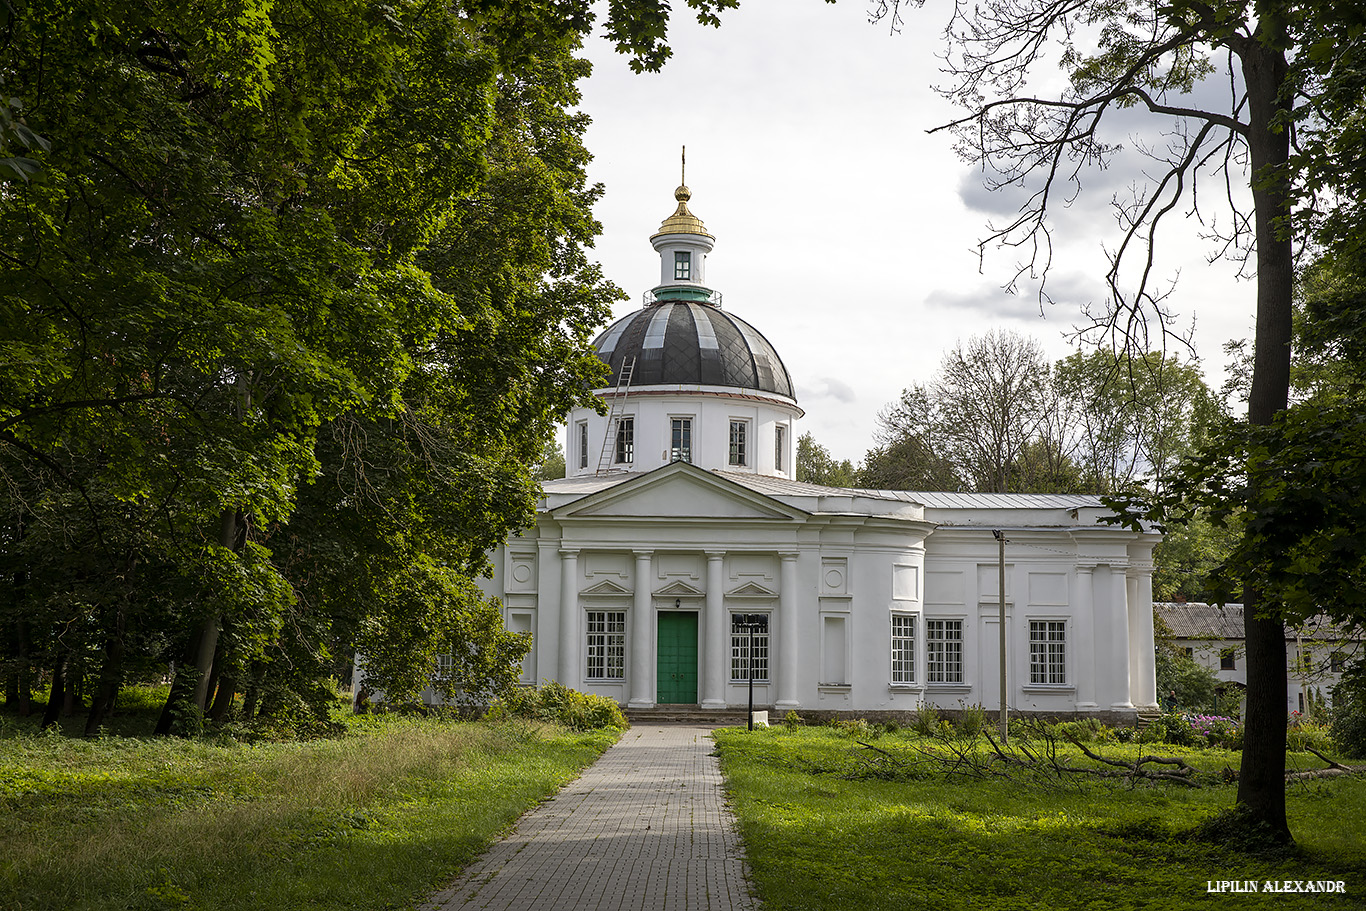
column 605, row 455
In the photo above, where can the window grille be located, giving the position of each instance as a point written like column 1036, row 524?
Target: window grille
column 903, row 648
column 1047, row 651
column 606, row 645
column 739, row 653
column 944, row 650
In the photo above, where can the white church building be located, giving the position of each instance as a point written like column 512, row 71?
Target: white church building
column 681, row 514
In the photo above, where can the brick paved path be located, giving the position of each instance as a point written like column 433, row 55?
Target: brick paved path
column 645, row 827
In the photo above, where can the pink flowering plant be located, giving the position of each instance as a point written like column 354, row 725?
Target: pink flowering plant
column 1218, row 730
column 1192, row 729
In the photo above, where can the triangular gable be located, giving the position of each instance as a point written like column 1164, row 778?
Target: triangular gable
column 752, row 590
column 679, row 589
column 681, row 491
column 606, row 587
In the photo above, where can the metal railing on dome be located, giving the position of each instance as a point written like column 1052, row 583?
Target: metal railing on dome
column 713, row 297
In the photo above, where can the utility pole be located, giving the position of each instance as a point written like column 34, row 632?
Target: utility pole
column 1001, row 605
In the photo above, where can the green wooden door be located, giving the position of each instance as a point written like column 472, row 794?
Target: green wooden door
column 677, row 664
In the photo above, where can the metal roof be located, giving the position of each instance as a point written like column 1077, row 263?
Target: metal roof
column 689, row 343
column 1197, row 620
column 773, row 486
column 947, row 500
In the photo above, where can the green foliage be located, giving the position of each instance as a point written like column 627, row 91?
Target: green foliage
column 926, row 720
column 299, row 296
column 553, row 701
column 15, row 135
column 1087, row 730
column 815, row 465
column 1349, row 711
column 550, row 465
column 999, row 417
column 1183, row 683
column 792, row 720
column 972, row 719
column 856, row 728
column 1294, row 490
column 1187, row 556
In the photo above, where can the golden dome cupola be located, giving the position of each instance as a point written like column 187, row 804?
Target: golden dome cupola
column 683, row 243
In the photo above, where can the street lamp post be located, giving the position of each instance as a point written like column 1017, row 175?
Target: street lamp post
column 751, row 623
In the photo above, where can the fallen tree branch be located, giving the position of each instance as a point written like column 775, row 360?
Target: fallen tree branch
column 1334, row 769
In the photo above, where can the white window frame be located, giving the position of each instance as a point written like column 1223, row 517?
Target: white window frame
column 605, row 645
column 778, row 441
column 739, row 651
column 737, row 448
column 681, row 453
column 1048, row 652
column 581, row 428
column 903, row 649
column 624, row 446
column 944, row 651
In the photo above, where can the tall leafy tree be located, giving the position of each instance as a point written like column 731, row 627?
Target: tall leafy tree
column 283, row 248
column 815, row 465
column 1287, row 68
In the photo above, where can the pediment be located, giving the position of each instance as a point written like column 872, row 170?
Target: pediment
column 680, row 491
column 752, row 590
column 679, row 589
column 606, row 587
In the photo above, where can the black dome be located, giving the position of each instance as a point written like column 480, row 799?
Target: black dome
column 692, row 344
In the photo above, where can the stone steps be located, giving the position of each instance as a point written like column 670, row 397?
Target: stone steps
column 688, row 715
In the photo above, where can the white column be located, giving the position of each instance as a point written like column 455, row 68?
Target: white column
column 543, row 643
column 1130, row 599
column 1141, row 631
column 1084, row 639
column 570, row 671
column 1118, row 609
column 642, row 619
column 716, row 653
column 787, row 634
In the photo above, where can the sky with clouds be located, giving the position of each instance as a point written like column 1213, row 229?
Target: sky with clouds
column 845, row 231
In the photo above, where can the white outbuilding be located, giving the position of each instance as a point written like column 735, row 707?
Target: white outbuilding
column 681, row 515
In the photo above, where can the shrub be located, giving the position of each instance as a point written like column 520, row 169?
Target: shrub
column 855, row 728
column 926, row 722
column 1180, row 732
column 556, row 702
column 972, row 719
column 1183, row 682
column 1082, row 730
column 1155, row 732
column 792, row 720
column 1301, row 734
column 1349, row 711
column 1217, row 730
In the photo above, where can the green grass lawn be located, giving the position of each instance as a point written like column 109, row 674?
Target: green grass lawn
column 824, row 833
column 376, row 819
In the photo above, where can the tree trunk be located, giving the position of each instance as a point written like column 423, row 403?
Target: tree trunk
column 182, row 689
column 1261, row 781
column 222, row 702
column 207, row 636
column 24, row 674
column 73, row 693
column 251, row 698
column 111, row 675
column 57, row 696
